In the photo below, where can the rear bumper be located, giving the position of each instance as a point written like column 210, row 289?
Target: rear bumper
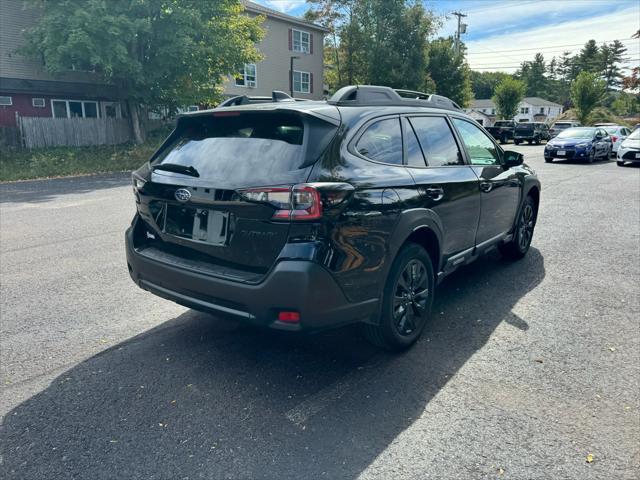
column 293, row 285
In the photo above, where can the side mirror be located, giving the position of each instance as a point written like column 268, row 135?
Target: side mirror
column 512, row 159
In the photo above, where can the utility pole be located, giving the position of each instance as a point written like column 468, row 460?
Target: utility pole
column 460, row 16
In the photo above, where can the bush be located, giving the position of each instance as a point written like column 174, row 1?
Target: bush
column 69, row 161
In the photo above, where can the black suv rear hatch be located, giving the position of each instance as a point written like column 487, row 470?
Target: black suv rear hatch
column 192, row 195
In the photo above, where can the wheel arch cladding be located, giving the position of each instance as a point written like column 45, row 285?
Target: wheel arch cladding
column 427, row 239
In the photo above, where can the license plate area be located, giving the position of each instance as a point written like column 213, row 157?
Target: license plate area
column 637, row 155
column 197, row 224
column 561, row 152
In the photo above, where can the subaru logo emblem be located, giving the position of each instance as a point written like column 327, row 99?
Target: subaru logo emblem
column 182, row 195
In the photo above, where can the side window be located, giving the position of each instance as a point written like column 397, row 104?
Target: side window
column 481, row 150
column 437, row 141
column 382, row 142
column 415, row 158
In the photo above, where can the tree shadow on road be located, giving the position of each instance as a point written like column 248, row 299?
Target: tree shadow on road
column 39, row 191
column 202, row 398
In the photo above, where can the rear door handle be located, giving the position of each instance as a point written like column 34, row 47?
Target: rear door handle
column 434, row 193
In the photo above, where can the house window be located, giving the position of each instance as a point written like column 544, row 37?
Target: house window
column 247, row 76
column 74, row 109
column 38, row 102
column 541, row 109
column 484, row 110
column 301, row 82
column 301, row 41
column 6, row 101
column 493, row 111
column 193, row 108
column 524, row 110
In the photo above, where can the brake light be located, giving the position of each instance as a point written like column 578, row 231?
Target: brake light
column 300, row 202
column 226, row 114
column 614, row 139
column 289, row 317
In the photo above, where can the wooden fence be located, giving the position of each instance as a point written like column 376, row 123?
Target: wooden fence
column 39, row 132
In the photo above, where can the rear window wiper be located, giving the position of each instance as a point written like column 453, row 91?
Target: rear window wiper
column 177, row 168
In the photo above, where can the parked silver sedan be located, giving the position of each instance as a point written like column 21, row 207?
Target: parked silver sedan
column 618, row 134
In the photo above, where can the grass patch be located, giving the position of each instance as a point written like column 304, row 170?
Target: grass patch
column 69, row 161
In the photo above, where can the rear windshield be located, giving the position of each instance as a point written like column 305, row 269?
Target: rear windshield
column 247, row 147
column 524, row 126
column 502, row 124
column 562, row 125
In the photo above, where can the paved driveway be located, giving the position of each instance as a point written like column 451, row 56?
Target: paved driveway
column 524, row 370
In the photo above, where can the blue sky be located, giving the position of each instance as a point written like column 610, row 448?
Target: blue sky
column 503, row 33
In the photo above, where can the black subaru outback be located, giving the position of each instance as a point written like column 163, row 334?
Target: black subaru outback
column 308, row 215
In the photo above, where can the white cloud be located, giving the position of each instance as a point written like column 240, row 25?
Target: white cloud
column 284, row 6
column 548, row 39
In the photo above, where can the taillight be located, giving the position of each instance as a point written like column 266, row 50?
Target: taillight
column 614, row 139
column 306, row 203
column 300, row 202
column 289, row 317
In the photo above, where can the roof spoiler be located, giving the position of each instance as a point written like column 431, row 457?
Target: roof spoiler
column 277, row 96
column 370, row 95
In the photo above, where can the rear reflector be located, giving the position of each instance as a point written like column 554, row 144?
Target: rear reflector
column 289, row 317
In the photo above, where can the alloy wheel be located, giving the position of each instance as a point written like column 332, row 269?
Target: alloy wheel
column 526, row 227
column 411, row 294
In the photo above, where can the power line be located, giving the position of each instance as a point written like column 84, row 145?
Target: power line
column 568, row 63
column 543, row 48
column 496, row 67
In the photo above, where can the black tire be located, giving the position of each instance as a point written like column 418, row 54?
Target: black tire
column 537, row 140
column 519, row 245
column 620, row 164
column 407, row 300
column 548, row 160
column 529, row 142
column 503, row 140
column 517, row 142
column 592, row 155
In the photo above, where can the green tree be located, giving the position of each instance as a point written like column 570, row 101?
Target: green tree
column 380, row 42
column 624, row 104
column 612, row 55
column 450, row 71
column 586, row 92
column 158, row 52
column 533, row 75
column 507, row 96
column 484, row 83
column 590, row 59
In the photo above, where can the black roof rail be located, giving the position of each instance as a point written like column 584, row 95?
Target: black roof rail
column 276, row 96
column 373, row 95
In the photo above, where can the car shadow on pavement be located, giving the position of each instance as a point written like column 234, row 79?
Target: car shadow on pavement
column 38, row 191
column 197, row 397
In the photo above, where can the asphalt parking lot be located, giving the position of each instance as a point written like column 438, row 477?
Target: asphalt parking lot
column 525, row 368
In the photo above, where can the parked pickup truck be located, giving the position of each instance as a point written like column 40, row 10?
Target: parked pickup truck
column 502, row 130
